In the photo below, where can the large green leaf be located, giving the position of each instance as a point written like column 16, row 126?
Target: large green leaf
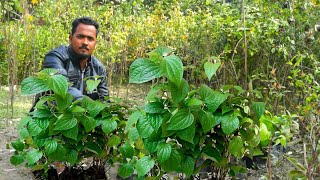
column 187, row 165
column 155, row 120
column 236, row 146
column 43, row 102
column 133, row 119
column 59, row 154
column 93, row 147
column 23, row 133
column 259, row 108
column 265, row 134
column 133, row 135
column 17, row 159
column 34, row 85
column 40, row 142
column 33, row 128
column 270, row 122
column 179, row 92
column 207, row 121
column 154, row 107
column 127, row 150
column 72, row 157
column 71, row 133
column 188, row 133
column 64, row 102
column 93, row 107
column 88, row 123
column 42, row 123
column 152, row 94
column 51, row 146
column 144, row 70
column 229, row 123
column 173, row 163
column 144, row 127
column 42, row 113
column 92, row 85
column 109, row 126
column 212, row 98
column 163, row 152
column 161, row 51
column 181, row 120
column 144, row 165
column 113, row 141
column 23, row 122
column 210, row 68
column 77, row 109
column 194, row 102
column 47, row 72
column 173, row 68
column 151, row 146
column 17, row 145
column 65, row 122
column 215, row 100
column 126, row 170
column 59, row 84
column 33, row 156
column 213, row 153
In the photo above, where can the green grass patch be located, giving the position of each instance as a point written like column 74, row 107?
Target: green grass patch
column 10, row 114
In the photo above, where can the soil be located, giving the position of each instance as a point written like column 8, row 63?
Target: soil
column 8, row 171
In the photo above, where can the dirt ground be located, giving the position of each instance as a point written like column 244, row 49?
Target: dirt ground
column 7, row 170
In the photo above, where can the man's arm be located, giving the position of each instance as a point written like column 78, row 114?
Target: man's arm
column 103, row 87
column 53, row 61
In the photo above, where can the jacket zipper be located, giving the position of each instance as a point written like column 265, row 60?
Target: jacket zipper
column 82, row 81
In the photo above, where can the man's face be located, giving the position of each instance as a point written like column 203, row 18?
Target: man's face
column 84, row 40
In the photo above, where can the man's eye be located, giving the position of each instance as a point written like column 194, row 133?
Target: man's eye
column 91, row 39
column 80, row 36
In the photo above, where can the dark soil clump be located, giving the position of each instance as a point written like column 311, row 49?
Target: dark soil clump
column 73, row 173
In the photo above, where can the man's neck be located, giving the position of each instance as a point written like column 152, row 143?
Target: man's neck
column 83, row 64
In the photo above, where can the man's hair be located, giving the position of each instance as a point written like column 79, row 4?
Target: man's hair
column 84, row 20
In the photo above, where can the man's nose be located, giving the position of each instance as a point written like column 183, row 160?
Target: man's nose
column 85, row 41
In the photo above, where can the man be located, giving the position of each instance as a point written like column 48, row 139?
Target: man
column 76, row 61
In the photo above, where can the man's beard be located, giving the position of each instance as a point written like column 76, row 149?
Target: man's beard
column 81, row 56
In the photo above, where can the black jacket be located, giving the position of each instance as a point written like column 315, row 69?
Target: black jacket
column 63, row 59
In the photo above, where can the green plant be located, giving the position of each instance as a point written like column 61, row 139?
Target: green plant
column 180, row 126
column 306, row 84
column 64, row 130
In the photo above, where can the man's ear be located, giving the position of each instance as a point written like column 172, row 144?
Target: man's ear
column 70, row 37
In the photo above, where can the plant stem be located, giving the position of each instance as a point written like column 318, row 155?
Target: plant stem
column 269, row 165
column 245, row 46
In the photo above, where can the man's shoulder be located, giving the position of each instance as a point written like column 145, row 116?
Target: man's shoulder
column 96, row 61
column 60, row 51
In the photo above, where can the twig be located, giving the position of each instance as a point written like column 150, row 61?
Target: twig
column 269, row 165
column 305, row 157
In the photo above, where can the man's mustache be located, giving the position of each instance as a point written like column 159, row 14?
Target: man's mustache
column 84, row 47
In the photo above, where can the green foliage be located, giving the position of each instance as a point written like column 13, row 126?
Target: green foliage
column 177, row 126
column 65, row 132
column 277, row 39
column 275, row 33
column 202, row 123
column 305, row 83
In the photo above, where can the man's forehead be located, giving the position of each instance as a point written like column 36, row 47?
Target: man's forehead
column 87, row 30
